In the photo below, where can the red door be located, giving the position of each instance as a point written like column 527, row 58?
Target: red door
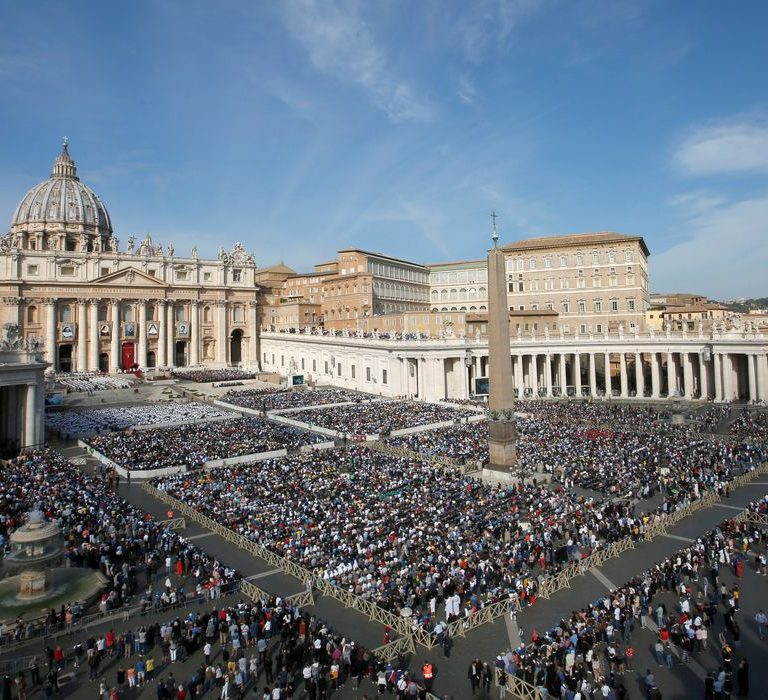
column 128, row 356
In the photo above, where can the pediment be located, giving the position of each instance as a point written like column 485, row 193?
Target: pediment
column 130, row 277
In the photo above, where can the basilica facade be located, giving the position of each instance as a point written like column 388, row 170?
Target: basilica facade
column 67, row 285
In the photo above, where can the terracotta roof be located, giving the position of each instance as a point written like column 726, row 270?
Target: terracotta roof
column 372, row 254
column 458, row 263
column 571, row 239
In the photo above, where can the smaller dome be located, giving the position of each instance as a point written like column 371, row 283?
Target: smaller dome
column 63, row 199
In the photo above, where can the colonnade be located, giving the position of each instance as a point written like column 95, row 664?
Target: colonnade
column 720, row 368
column 22, row 401
column 703, row 374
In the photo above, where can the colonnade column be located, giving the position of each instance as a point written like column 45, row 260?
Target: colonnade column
column 687, row 375
column 162, row 334
column 141, row 360
column 170, row 334
column 751, row 372
column 577, row 372
column 639, row 376
column 82, row 336
column 534, row 376
column 727, row 377
column 623, row 373
column 548, row 373
column 762, row 376
column 592, row 374
column 563, row 374
column 519, row 376
column 93, row 336
column 114, row 341
column 671, row 375
column 194, row 351
column 50, row 332
column 655, row 383
column 29, row 437
column 704, row 391
column 718, row 358
column 221, row 332
column 608, row 388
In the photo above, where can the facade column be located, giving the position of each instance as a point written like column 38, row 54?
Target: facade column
column 608, row 387
column 170, row 330
column 221, row 333
column 687, row 375
column 194, row 350
column 718, row 360
column 623, row 371
column 519, row 385
column 548, row 374
column 592, row 374
column 752, row 377
column 253, row 315
column 114, row 341
column 655, row 378
column 82, row 335
column 577, row 372
column 534, row 376
column 141, row 360
column 50, row 333
column 639, row 377
column 93, row 336
column 29, row 438
column 161, row 334
column 703, row 393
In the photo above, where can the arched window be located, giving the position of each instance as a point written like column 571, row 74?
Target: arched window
column 65, row 313
column 238, row 315
column 127, row 312
column 103, row 311
column 32, row 314
column 180, row 313
column 207, row 314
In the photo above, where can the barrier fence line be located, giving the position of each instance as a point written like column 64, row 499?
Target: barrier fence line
column 173, row 523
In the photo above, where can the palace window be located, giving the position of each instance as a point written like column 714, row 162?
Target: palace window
column 32, row 269
column 237, row 275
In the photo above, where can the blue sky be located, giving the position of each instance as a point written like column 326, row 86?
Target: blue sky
column 306, row 126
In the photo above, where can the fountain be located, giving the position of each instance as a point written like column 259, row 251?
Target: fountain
column 34, row 578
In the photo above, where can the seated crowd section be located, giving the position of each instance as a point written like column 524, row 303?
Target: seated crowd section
column 91, row 382
column 380, row 417
column 84, row 423
column 194, row 445
column 271, row 400
column 203, row 375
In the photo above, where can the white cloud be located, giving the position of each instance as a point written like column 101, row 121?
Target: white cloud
column 725, row 148
column 725, row 254
column 340, row 44
column 466, row 90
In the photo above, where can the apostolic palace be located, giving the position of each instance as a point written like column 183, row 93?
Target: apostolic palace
column 579, row 320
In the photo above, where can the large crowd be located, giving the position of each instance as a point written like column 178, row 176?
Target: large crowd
column 407, row 534
column 204, row 375
column 380, row 417
column 750, row 425
column 619, row 451
column 85, row 423
column 592, row 648
column 272, row 400
column 102, row 531
column 194, row 445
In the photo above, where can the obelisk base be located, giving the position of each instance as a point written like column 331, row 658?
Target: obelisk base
column 502, row 436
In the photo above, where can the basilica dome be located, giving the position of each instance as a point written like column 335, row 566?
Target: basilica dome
column 62, row 208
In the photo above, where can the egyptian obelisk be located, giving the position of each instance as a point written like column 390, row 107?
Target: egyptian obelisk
column 501, row 424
